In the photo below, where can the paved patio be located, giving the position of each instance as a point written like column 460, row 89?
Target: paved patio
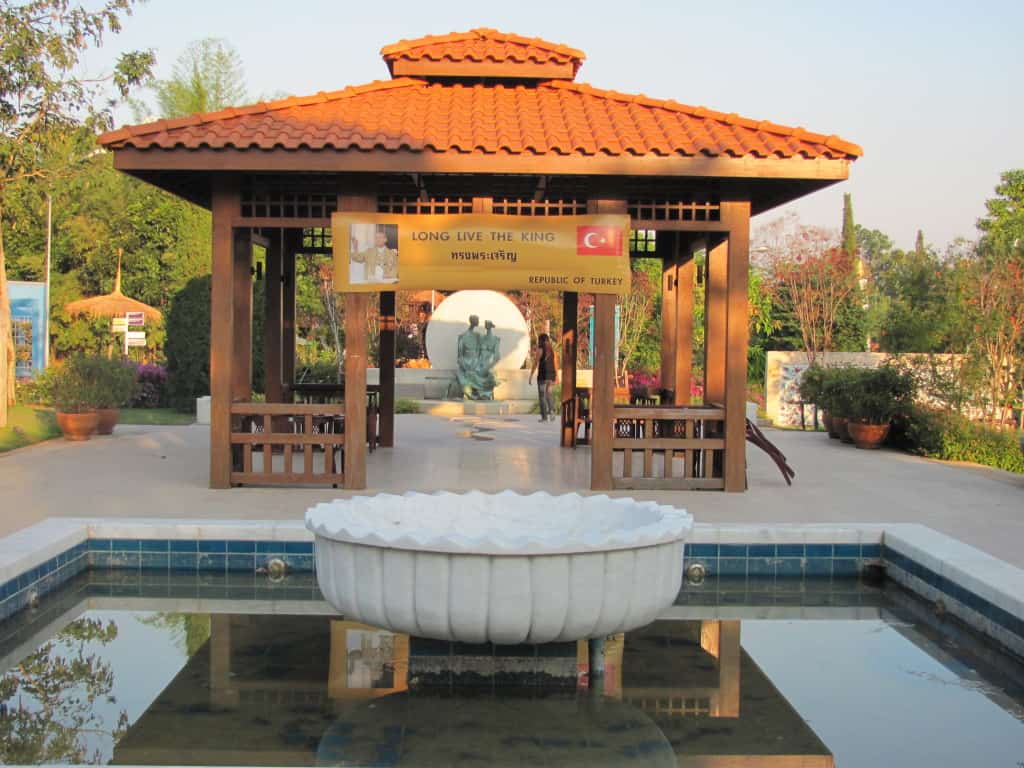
column 162, row 472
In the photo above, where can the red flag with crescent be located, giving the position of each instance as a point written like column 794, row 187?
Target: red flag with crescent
column 598, row 241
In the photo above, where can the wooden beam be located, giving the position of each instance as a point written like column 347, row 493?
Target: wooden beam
column 685, row 283
column 738, row 323
column 570, row 313
column 291, row 246
column 669, row 322
column 222, row 318
column 272, row 320
column 356, row 308
column 822, row 170
column 241, row 370
column 387, row 368
column 715, row 300
column 602, row 400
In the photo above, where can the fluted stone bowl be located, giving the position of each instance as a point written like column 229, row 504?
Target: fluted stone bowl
column 502, row 568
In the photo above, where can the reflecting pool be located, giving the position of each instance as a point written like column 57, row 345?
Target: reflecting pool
column 234, row 672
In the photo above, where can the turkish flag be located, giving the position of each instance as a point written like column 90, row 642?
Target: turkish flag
column 598, row 241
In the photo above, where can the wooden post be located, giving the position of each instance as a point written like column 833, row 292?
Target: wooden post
column 669, row 309
column 602, row 399
column 570, row 311
column 715, row 301
column 683, row 373
column 225, row 202
column 292, row 245
column 356, row 306
column 241, row 380
column 272, row 325
column 387, row 368
column 737, row 217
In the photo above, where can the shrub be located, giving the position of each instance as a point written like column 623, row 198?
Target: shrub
column 72, row 386
column 151, row 390
column 404, row 405
column 811, row 384
column 188, row 344
column 952, row 437
column 114, row 380
column 877, row 395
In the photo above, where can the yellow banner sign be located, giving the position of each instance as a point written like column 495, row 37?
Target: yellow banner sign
column 387, row 252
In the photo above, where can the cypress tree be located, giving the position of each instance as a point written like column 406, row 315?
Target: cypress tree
column 919, row 245
column 849, row 231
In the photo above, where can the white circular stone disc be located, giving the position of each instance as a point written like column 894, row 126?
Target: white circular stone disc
column 451, row 318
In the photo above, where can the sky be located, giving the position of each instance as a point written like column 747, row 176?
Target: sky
column 931, row 91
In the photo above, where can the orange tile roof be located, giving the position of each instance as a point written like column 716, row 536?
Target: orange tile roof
column 482, row 44
column 557, row 117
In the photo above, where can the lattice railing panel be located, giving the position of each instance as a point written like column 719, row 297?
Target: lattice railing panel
column 287, row 444
column 518, row 207
column 660, row 209
column 668, row 447
column 274, row 203
column 412, row 204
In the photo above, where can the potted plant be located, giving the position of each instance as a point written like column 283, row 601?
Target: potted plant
column 115, row 386
column 876, row 397
column 73, row 395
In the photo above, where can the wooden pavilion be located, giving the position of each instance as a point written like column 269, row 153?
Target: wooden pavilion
column 486, row 122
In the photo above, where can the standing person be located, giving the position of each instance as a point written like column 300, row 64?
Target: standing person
column 544, row 366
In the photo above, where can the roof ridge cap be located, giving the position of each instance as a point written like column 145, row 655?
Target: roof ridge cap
column 479, row 33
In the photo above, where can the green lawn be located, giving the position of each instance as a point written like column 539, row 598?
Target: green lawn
column 155, row 416
column 26, row 425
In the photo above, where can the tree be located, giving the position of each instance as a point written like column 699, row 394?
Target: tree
column 849, row 236
column 207, row 77
column 1003, row 227
column 813, row 279
column 41, row 97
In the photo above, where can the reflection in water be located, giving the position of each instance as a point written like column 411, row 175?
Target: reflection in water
column 303, row 690
column 265, row 690
column 48, row 712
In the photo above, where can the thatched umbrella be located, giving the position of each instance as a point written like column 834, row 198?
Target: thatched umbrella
column 113, row 304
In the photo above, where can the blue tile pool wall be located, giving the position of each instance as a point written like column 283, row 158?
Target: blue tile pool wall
column 783, row 561
column 809, row 561
column 979, row 613
column 207, row 556
column 18, row 592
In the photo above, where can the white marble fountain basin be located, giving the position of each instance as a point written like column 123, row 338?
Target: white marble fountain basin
column 502, row 568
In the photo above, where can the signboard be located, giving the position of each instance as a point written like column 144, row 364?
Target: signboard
column 28, row 323
column 135, row 318
column 382, row 251
column 118, row 325
column 135, row 338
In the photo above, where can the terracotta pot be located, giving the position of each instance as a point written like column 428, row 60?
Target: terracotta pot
column 108, row 420
column 826, row 420
column 839, row 424
column 868, row 436
column 78, row 426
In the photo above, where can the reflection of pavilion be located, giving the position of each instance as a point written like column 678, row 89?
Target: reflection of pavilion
column 270, row 690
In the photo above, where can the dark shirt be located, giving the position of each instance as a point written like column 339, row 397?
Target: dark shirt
column 546, row 366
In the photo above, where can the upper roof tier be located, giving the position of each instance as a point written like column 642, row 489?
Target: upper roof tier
column 482, row 53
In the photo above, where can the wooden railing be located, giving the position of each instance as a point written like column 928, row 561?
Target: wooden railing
column 319, row 394
column 311, row 436
column 668, row 448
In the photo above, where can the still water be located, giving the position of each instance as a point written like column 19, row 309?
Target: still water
column 96, row 683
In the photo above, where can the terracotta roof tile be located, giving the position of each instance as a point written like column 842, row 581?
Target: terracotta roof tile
column 554, row 117
column 481, row 44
